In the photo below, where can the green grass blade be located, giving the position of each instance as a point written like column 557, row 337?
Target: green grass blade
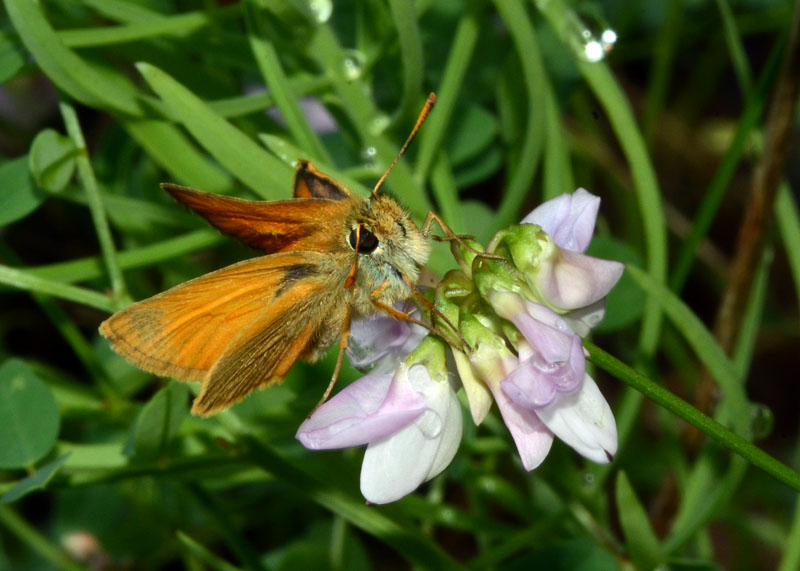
column 243, row 157
column 715, row 193
column 69, row 72
column 25, row 281
column 684, row 410
column 92, row 268
column 786, row 210
column 92, row 190
column 414, row 546
column 700, row 339
column 522, row 34
column 268, row 63
column 176, row 26
column 170, row 148
column 608, row 92
column 405, row 19
column 433, row 135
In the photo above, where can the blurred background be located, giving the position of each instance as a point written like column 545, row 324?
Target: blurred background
column 666, row 110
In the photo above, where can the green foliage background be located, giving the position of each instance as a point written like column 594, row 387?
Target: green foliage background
column 103, row 99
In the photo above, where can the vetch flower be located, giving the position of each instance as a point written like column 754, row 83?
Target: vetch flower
column 548, row 248
column 550, row 379
column 411, row 423
column 551, row 360
column 493, row 362
column 381, row 341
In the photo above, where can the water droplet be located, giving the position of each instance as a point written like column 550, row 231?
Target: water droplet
column 430, row 424
column 762, row 421
column 592, row 38
column 588, row 479
column 321, row 9
column 608, row 37
column 354, row 62
column 593, row 51
column 368, row 154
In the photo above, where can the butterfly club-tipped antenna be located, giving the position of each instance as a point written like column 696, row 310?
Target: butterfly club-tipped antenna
column 426, row 109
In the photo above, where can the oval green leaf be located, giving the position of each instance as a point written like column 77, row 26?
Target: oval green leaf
column 52, row 160
column 159, row 421
column 20, row 196
column 12, row 56
column 28, row 414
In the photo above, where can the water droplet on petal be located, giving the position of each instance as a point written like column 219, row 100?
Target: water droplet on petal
column 430, row 424
column 321, row 9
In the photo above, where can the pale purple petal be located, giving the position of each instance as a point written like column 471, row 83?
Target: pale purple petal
column 368, row 409
column 584, row 421
column 547, row 333
column 575, row 280
column 532, row 437
column 382, row 340
column 551, row 361
column 569, row 219
column 316, row 113
column 396, row 465
column 527, row 387
column 536, row 382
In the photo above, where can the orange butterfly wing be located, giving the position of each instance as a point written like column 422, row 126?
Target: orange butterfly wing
column 236, row 329
column 312, row 224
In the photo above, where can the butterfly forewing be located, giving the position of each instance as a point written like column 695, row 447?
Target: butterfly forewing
column 279, row 226
column 183, row 332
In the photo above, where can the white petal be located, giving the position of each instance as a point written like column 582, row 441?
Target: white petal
column 573, row 280
column 395, row 466
column 450, row 438
column 584, row 421
column 582, row 320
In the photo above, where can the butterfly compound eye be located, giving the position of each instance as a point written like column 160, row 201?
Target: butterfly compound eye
column 367, row 243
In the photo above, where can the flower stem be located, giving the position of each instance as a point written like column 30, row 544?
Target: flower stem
column 705, row 423
column 90, row 186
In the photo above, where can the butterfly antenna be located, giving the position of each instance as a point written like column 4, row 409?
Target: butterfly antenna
column 420, row 120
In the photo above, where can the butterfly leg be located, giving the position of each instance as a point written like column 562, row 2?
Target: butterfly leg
column 402, row 316
column 451, row 236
